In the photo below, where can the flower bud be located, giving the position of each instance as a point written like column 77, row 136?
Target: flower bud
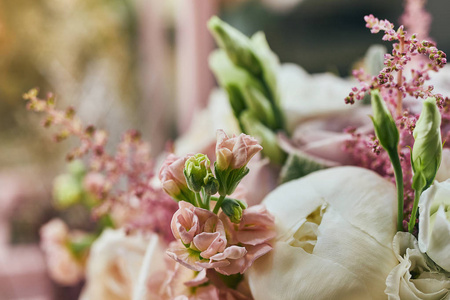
column 233, row 209
column 233, row 154
column 237, row 46
column 211, row 184
column 427, row 151
column 196, row 169
column 268, row 138
column 260, row 105
column 383, row 123
column 173, row 180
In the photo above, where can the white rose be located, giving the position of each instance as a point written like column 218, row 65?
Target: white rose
column 416, row 276
column 335, row 229
column 114, row 265
column 434, row 223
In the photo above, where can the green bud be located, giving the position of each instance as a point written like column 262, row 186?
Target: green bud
column 427, row 151
column 265, row 136
column 383, row 123
column 233, row 209
column 196, row 169
column 260, row 106
column 236, row 98
column 211, row 184
column 237, row 46
column 67, row 190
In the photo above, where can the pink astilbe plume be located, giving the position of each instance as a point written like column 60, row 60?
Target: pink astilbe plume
column 406, row 71
column 120, row 181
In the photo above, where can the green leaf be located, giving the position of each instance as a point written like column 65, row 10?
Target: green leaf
column 299, row 164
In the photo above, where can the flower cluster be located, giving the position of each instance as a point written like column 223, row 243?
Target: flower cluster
column 229, row 238
column 209, row 241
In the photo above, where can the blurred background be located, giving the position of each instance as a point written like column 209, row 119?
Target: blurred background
column 137, row 64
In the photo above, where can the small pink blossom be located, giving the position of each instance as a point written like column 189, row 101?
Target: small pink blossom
column 235, row 152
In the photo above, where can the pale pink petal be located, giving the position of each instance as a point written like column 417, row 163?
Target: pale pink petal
column 203, row 214
column 184, row 256
column 213, row 264
column 209, row 243
column 232, row 252
column 198, row 280
column 242, row 264
column 206, row 293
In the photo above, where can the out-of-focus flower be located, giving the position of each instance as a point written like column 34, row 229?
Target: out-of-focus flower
column 334, row 238
column 96, row 184
column 434, row 223
column 63, row 266
column 173, row 180
column 114, row 265
column 416, row 276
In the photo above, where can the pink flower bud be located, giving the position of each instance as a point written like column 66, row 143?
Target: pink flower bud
column 235, row 152
column 172, row 176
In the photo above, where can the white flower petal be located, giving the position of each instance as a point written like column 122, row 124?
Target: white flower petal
column 416, row 276
column 355, row 210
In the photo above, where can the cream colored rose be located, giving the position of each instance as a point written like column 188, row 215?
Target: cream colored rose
column 114, row 266
column 434, row 223
column 335, row 229
column 416, row 277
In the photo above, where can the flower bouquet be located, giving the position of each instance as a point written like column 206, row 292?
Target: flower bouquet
column 279, row 190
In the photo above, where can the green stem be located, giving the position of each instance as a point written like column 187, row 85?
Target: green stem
column 207, row 200
column 412, row 220
column 218, row 204
column 395, row 160
column 198, row 200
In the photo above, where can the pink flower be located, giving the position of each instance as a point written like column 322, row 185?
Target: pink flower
column 172, row 177
column 178, row 282
column 63, row 267
column 203, row 239
column 235, row 152
column 254, row 232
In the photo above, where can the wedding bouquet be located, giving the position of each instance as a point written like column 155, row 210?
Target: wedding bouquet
column 278, row 190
